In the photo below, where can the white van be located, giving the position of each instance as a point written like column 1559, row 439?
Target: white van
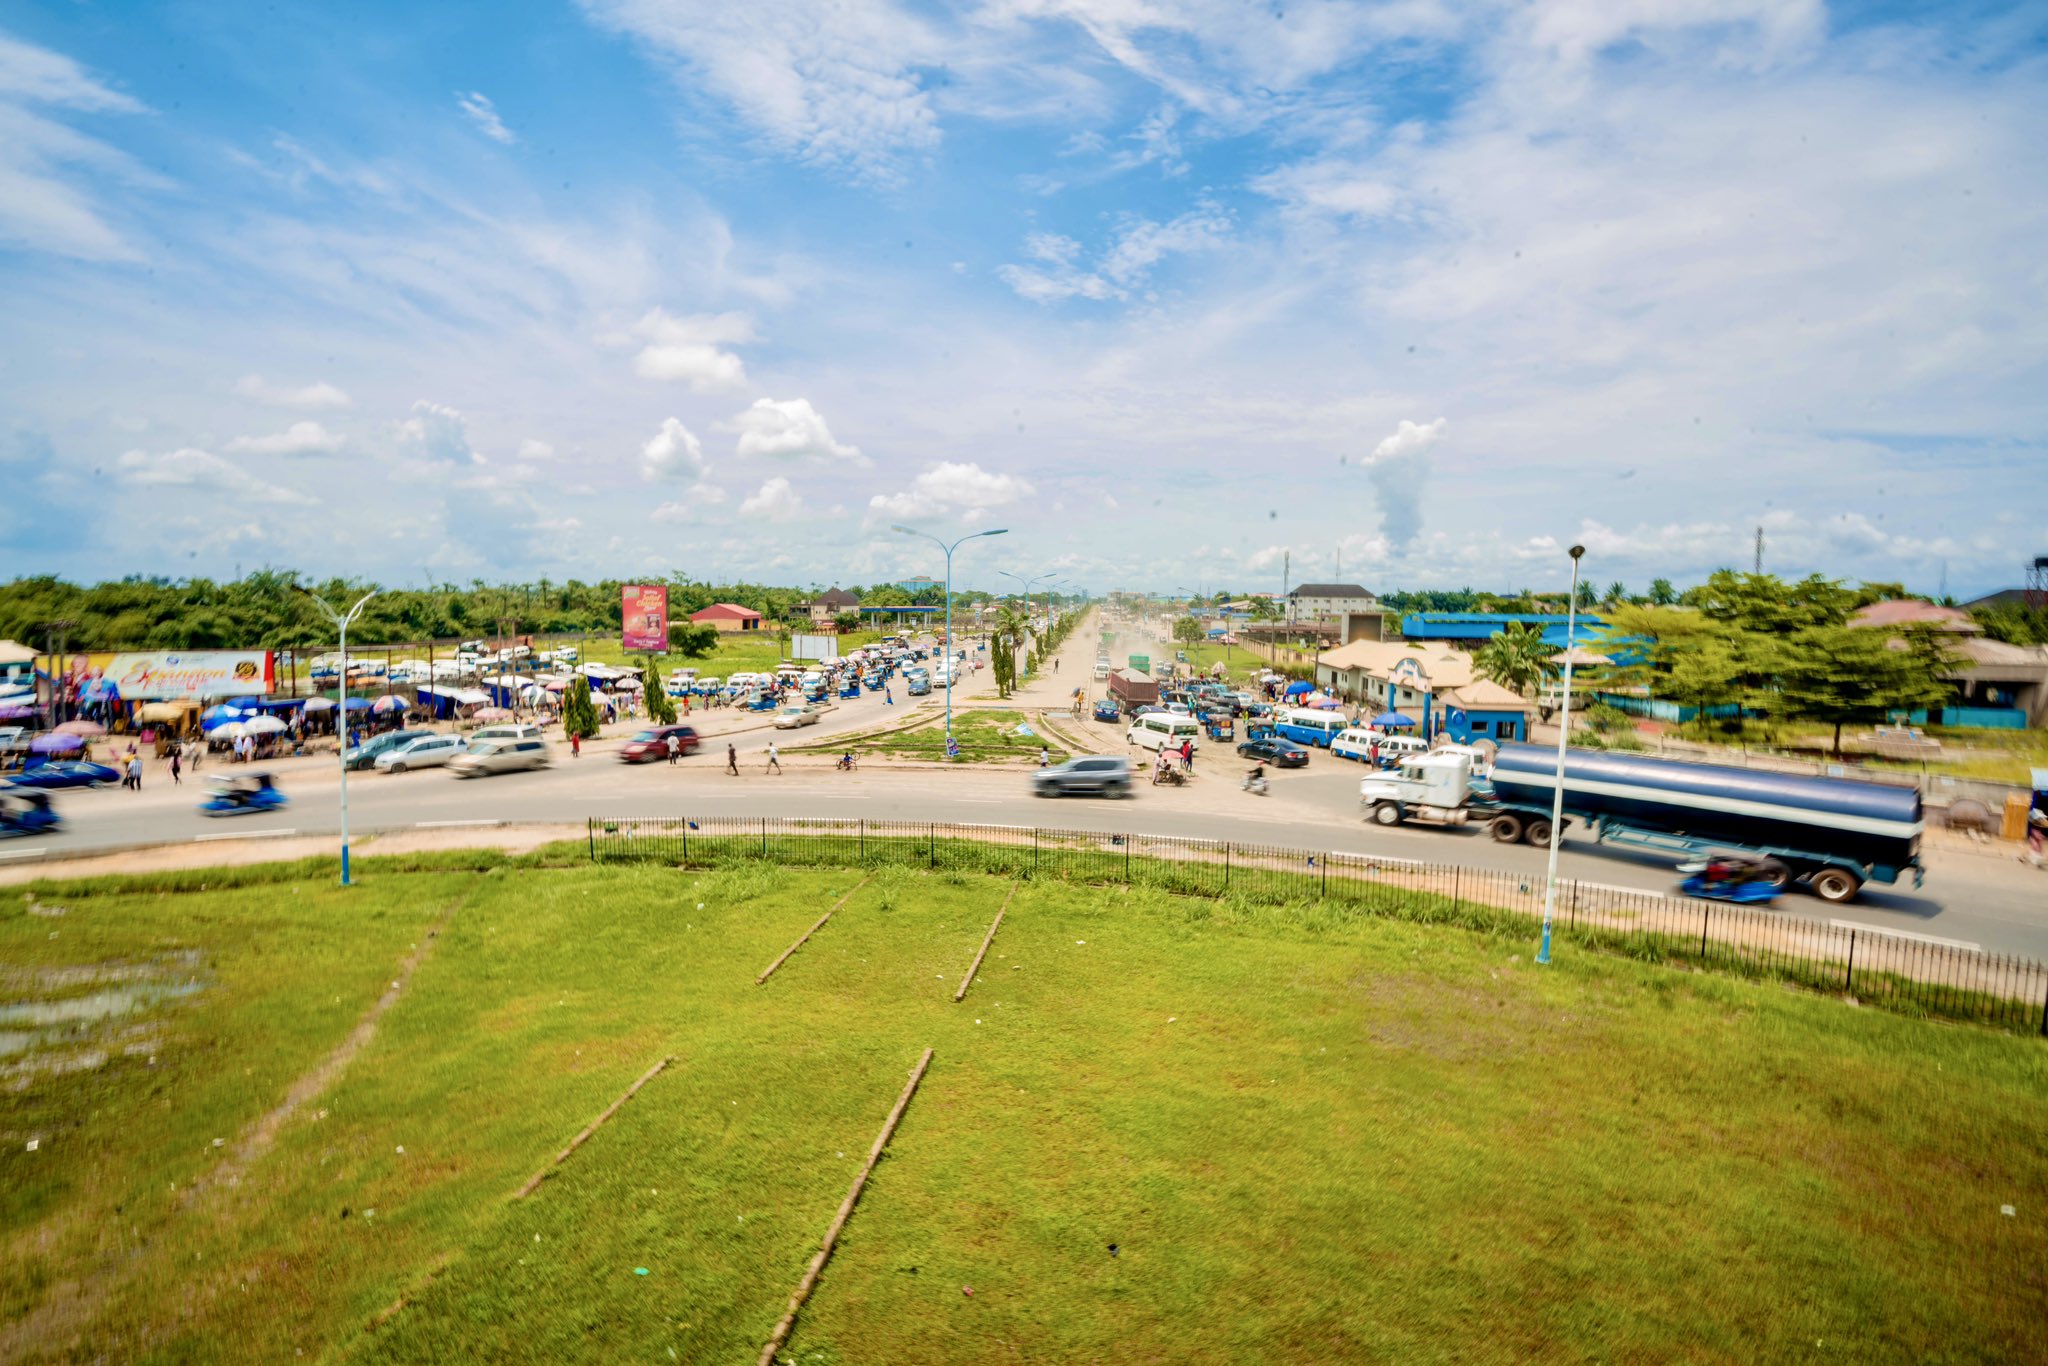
column 1157, row 729
column 1355, row 743
column 505, row 730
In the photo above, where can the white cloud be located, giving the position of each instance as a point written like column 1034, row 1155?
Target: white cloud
column 832, row 85
column 691, row 349
column 438, row 432
column 690, row 507
column 1125, row 263
column 311, row 397
column 484, row 115
column 789, row 429
column 188, row 467
column 673, row 453
column 1399, row 468
column 774, row 501
column 966, row 491
column 301, row 438
column 534, row 449
column 41, row 208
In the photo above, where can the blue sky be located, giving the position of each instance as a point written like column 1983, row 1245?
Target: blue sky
column 1418, row 292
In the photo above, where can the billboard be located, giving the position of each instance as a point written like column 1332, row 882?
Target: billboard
column 164, row 675
column 643, row 618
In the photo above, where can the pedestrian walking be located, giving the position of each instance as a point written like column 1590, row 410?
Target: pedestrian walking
column 198, row 752
column 732, row 759
column 135, row 771
column 576, row 744
column 2037, row 834
column 1187, row 756
column 1044, row 757
column 774, row 764
column 675, row 747
column 174, row 768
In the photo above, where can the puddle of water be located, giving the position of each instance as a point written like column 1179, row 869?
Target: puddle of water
column 23, row 1023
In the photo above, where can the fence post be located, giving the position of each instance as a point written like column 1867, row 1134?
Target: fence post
column 931, row 844
column 592, row 824
column 764, row 839
column 1325, row 893
column 863, row 841
column 1457, row 876
column 686, row 841
column 1034, row 851
column 1849, row 978
column 1127, row 860
column 1705, row 911
column 2044, row 1014
column 1226, row 865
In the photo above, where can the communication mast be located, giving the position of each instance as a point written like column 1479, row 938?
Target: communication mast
column 1759, row 566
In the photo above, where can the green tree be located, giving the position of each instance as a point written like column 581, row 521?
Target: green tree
column 1265, row 609
column 1662, row 593
column 1846, row 675
column 1189, row 632
column 1708, row 674
column 579, row 714
column 661, row 709
column 1767, row 603
column 1617, row 592
column 1517, row 658
column 1005, row 638
column 692, row 640
column 847, row 621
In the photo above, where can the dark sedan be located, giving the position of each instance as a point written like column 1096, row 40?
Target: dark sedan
column 651, row 744
column 1276, row 750
column 67, row 773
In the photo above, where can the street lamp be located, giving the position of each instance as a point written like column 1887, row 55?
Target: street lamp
column 1564, row 730
column 1039, row 578
column 341, row 625
column 952, row 664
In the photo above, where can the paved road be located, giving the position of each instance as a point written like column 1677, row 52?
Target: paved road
column 1998, row 904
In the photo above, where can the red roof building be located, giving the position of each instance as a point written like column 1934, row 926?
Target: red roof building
column 728, row 616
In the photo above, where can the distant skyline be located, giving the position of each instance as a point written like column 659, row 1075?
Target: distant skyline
column 1420, row 292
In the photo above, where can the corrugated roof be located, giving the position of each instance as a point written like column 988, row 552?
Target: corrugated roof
column 1328, row 590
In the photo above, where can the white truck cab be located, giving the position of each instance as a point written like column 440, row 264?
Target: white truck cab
column 1432, row 787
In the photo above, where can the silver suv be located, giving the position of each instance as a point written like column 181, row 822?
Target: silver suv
column 1096, row 775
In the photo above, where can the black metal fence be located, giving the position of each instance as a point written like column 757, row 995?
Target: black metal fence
column 1875, row 968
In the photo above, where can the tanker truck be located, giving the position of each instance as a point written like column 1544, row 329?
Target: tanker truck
column 1831, row 834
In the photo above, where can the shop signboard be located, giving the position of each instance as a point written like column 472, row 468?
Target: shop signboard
column 163, row 675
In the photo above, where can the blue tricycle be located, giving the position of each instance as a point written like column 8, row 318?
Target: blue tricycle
column 242, row 794
column 27, row 811
column 1745, row 879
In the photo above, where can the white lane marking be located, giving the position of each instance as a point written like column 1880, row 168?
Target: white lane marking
column 1628, row 891
column 23, row 853
column 435, row 825
column 1908, row 934
column 244, row 835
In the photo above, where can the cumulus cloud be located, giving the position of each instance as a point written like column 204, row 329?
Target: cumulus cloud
column 1056, row 270
column 691, row 350
column 534, row 449
column 789, row 429
column 673, row 453
column 438, row 432
column 188, row 467
column 1399, row 468
column 949, row 489
column 484, row 115
column 774, row 501
column 301, row 438
column 312, row 397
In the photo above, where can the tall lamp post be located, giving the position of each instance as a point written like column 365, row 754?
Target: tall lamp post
column 1564, row 730
column 952, row 664
column 1040, row 578
column 341, row 622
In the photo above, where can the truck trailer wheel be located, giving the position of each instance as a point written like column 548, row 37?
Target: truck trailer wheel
column 1538, row 833
column 1386, row 813
column 1835, row 886
column 1505, row 829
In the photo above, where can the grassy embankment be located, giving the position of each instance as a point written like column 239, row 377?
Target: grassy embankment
column 983, row 737
column 1310, row 1138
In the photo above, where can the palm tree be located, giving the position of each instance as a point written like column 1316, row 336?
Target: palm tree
column 1517, row 658
column 1005, row 640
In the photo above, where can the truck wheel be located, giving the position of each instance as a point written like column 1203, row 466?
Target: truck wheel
column 1538, row 833
column 1835, row 886
column 1505, row 829
column 1386, row 813
column 1778, row 874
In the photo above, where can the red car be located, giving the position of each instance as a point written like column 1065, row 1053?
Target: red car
column 652, row 744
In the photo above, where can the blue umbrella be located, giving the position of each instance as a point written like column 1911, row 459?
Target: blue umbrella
column 1391, row 720
column 357, row 704
column 226, row 711
column 1297, row 688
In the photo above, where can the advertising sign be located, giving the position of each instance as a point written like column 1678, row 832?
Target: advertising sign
column 643, row 618
column 164, row 675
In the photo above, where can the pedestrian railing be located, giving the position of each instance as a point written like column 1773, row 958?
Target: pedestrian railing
column 1908, row 975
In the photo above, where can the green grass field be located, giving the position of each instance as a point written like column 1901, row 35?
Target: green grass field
column 1311, row 1138
column 983, row 736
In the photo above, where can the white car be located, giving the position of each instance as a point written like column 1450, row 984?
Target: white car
column 789, row 718
column 499, row 756
column 428, row 751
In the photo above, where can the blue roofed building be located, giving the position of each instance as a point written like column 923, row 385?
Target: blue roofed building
column 1473, row 629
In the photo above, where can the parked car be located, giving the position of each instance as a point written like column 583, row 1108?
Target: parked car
column 1277, row 750
column 1107, row 710
column 499, row 756
column 59, row 773
column 1096, row 775
column 650, row 745
column 366, row 754
column 506, row 730
column 789, row 718
column 425, row 751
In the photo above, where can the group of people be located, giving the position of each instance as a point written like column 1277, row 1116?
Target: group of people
column 1162, row 763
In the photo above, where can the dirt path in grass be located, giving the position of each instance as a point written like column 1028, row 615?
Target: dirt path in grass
column 71, row 1305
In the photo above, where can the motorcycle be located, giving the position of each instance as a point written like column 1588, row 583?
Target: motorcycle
column 1254, row 785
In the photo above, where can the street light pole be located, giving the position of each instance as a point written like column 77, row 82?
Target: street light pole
column 952, row 664
column 341, row 746
column 1564, row 730
column 1038, row 578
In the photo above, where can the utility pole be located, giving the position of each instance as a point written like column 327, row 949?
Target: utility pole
column 56, row 637
column 1759, row 566
column 1286, row 575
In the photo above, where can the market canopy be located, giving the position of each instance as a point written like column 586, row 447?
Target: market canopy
column 1391, row 720
column 1298, row 687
